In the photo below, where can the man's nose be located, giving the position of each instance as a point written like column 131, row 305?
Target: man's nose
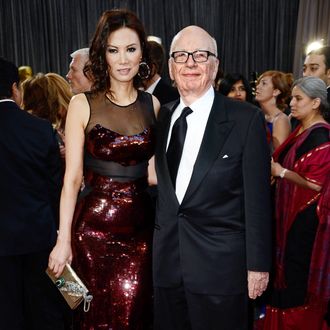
column 190, row 60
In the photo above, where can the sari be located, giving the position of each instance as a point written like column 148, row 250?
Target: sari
column 290, row 200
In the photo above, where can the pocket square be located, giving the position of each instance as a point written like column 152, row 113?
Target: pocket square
column 225, row 156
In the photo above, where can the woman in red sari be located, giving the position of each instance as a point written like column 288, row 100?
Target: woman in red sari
column 301, row 286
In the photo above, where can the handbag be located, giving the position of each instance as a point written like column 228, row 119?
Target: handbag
column 71, row 287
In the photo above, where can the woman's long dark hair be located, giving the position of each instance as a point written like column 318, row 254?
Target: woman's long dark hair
column 110, row 21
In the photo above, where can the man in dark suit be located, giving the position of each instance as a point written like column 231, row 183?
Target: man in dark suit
column 212, row 239
column 156, row 85
column 30, row 186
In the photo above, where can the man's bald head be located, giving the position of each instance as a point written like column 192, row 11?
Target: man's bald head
column 194, row 30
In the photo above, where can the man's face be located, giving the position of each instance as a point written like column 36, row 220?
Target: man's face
column 79, row 83
column 315, row 66
column 192, row 78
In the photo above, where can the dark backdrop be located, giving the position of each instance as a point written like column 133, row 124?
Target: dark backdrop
column 252, row 35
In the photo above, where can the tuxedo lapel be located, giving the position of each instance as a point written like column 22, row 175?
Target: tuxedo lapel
column 216, row 132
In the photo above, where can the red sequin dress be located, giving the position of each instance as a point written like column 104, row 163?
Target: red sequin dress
column 112, row 227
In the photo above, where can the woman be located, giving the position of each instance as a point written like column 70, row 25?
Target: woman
column 237, row 87
column 272, row 92
column 302, row 165
column 47, row 96
column 109, row 140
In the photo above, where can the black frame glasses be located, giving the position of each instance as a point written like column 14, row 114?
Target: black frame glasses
column 198, row 56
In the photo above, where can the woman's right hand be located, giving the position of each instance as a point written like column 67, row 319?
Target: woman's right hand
column 59, row 257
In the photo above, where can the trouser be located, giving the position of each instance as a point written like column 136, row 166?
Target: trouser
column 179, row 309
column 28, row 298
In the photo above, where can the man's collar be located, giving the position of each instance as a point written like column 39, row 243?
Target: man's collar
column 7, row 100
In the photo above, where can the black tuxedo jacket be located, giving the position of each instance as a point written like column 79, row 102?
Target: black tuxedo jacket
column 30, row 180
column 165, row 93
column 223, row 226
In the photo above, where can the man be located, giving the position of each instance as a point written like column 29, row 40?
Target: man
column 76, row 76
column 317, row 64
column 212, row 237
column 156, row 85
column 30, row 178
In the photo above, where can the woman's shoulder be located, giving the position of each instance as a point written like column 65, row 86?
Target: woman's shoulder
column 281, row 117
column 320, row 134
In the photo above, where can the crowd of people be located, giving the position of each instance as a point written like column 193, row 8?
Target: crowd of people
column 179, row 206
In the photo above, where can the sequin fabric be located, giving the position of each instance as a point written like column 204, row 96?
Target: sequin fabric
column 112, row 234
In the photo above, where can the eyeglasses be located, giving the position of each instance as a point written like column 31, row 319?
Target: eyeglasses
column 199, row 56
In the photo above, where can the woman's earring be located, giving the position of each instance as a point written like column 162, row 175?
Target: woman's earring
column 144, row 70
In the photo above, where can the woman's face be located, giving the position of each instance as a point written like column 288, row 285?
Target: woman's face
column 302, row 106
column 238, row 91
column 264, row 89
column 123, row 54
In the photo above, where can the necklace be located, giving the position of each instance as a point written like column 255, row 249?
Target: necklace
column 271, row 118
column 131, row 99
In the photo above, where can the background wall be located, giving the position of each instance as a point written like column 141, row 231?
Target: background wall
column 252, row 35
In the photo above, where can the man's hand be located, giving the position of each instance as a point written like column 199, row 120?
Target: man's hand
column 257, row 283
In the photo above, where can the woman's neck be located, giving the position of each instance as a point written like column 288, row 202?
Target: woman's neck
column 310, row 121
column 270, row 110
column 122, row 94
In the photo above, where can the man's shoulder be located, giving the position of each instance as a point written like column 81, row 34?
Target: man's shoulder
column 14, row 117
column 238, row 108
column 165, row 92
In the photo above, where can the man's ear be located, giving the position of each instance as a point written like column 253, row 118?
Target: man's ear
column 16, row 92
column 216, row 68
column 170, row 69
column 328, row 77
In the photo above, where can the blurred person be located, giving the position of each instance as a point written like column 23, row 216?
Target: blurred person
column 317, row 64
column 155, row 84
column 47, row 96
column 272, row 92
column 79, row 79
column 110, row 137
column 236, row 86
column 30, row 190
column 301, row 290
column 212, row 233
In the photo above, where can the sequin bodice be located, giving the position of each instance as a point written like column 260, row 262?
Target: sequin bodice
column 105, row 144
column 119, row 136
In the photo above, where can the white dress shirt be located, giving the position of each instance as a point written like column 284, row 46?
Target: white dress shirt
column 7, row 100
column 196, row 123
column 152, row 87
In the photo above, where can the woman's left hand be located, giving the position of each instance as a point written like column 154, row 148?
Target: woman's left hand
column 276, row 168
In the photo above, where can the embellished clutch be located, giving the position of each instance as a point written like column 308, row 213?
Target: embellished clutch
column 71, row 287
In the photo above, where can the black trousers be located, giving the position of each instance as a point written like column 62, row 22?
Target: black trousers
column 28, row 298
column 179, row 309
